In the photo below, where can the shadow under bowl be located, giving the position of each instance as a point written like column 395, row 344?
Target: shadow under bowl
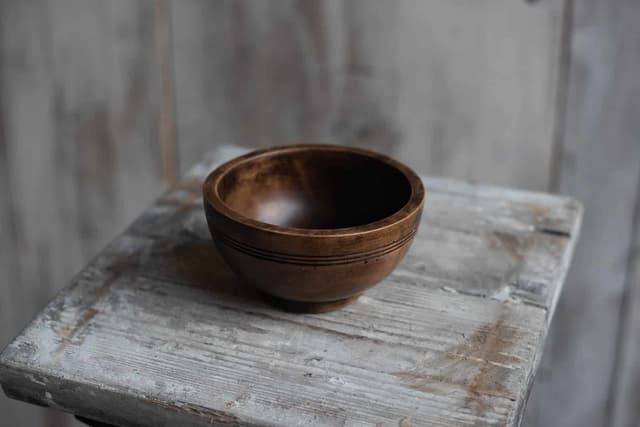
column 313, row 226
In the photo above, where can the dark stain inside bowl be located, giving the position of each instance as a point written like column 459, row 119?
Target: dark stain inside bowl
column 315, row 189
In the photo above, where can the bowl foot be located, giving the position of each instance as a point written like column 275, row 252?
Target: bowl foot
column 310, row 307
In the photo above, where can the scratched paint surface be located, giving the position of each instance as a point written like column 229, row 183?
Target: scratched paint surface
column 157, row 331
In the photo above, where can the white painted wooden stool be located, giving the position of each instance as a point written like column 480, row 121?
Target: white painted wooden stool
column 156, row 331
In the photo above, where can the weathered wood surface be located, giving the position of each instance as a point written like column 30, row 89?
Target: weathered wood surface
column 156, row 331
column 78, row 148
column 590, row 373
column 461, row 88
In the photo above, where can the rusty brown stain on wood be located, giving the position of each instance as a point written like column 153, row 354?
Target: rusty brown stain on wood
column 119, row 266
column 515, row 245
column 212, row 415
column 489, row 341
column 488, row 347
column 67, row 333
column 404, row 423
column 539, row 211
column 519, row 246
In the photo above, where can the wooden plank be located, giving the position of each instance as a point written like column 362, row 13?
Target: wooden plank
column 13, row 412
column 451, row 88
column 626, row 386
column 624, row 410
column 79, row 137
column 27, row 126
column 157, row 331
column 599, row 164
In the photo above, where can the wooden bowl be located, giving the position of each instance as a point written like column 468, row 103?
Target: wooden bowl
column 313, row 226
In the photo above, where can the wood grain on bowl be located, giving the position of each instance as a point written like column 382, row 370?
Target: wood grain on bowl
column 313, row 226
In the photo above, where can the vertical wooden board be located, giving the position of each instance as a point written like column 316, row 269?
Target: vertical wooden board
column 79, row 114
column 198, row 62
column 599, row 164
column 12, row 412
column 26, row 123
column 624, row 408
column 105, row 110
column 246, row 71
column 472, row 84
column 462, row 88
column 625, row 392
column 133, row 99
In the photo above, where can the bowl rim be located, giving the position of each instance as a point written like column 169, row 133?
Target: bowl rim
column 414, row 203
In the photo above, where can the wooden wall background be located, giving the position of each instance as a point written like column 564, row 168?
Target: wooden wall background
column 103, row 103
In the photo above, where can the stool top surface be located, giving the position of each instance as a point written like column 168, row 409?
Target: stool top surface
column 157, row 331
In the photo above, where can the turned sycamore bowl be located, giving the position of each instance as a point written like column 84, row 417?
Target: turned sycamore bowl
column 313, row 226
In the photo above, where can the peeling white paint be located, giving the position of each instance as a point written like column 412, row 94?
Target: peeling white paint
column 337, row 380
column 504, row 294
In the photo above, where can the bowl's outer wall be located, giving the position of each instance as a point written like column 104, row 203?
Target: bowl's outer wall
column 311, row 268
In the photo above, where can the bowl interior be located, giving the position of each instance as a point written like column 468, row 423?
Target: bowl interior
column 315, row 189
